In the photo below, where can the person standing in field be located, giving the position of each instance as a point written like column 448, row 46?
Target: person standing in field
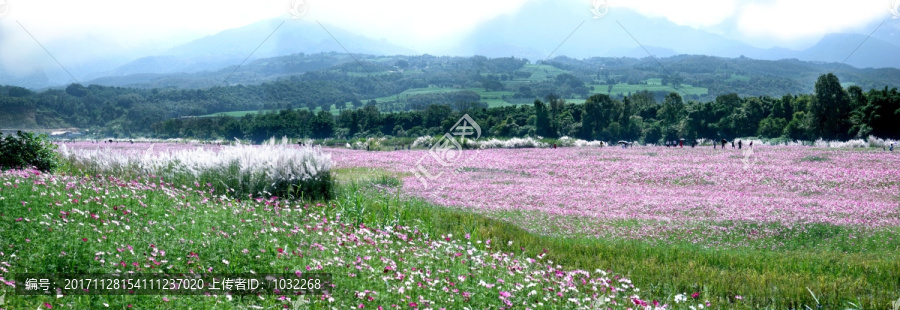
column 740, row 144
column 892, row 146
column 723, row 143
column 751, row 144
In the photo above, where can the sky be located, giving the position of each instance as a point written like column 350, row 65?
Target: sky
column 129, row 28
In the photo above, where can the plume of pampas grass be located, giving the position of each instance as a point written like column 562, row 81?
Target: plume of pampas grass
column 273, row 168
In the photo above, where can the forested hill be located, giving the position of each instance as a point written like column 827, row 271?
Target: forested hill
column 332, row 82
column 745, row 76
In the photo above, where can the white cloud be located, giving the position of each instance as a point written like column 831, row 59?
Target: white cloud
column 134, row 20
column 151, row 26
column 410, row 22
column 694, row 13
column 785, row 20
column 78, row 31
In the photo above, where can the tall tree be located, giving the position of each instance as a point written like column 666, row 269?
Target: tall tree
column 542, row 120
column 322, row 126
column 592, row 119
column 829, row 112
column 672, row 109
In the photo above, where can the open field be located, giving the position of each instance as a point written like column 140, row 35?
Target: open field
column 626, row 89
column 492, row 98
column 783, row 227
column 382, row 250
column 770, row 224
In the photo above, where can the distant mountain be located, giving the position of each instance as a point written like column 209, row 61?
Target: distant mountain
column 207, row 54
column 866, row 52
column 253, row 72
column 538, row 30
column 84, row 57
column 539, row 27
column 233, row 46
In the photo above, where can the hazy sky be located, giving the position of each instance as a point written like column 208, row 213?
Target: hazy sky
column 148, row 26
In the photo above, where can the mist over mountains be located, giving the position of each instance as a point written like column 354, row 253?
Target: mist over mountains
column 537, row 31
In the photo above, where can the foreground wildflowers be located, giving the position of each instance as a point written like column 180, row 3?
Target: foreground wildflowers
column 102, row 224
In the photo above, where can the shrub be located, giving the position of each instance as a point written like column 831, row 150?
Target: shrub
column 26, row 150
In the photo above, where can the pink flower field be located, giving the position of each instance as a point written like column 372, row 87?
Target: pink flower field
column 776, row 188
column 104, row 224
column 712, row 196
column 714, row 225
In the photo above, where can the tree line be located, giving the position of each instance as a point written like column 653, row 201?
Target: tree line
column 831, row 112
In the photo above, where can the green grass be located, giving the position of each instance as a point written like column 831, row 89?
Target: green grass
column 334, row 111
column 831, row 261
column 625, row 89
column 738, row 77
column 815, row 158
column 492, row 98
column 825, row 260
column 765, row 278
column 236, row 113
column 541, row 72
column 107, row 226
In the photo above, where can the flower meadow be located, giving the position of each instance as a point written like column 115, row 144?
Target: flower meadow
column 102, row 223
column 783, row 226
column 718, row 197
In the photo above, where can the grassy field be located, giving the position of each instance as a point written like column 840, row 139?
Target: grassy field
column 81, row 224
column 492, row 98
column 382, row 251
column 334, row 111
column 625, row 89
column 768, row 263
column 237, row 113
column 541, row 72
column 825, row 267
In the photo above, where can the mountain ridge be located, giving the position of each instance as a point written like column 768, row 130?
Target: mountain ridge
column 538, row 30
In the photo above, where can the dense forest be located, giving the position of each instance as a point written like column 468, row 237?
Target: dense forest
column 831, row 112
column 598, row 98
